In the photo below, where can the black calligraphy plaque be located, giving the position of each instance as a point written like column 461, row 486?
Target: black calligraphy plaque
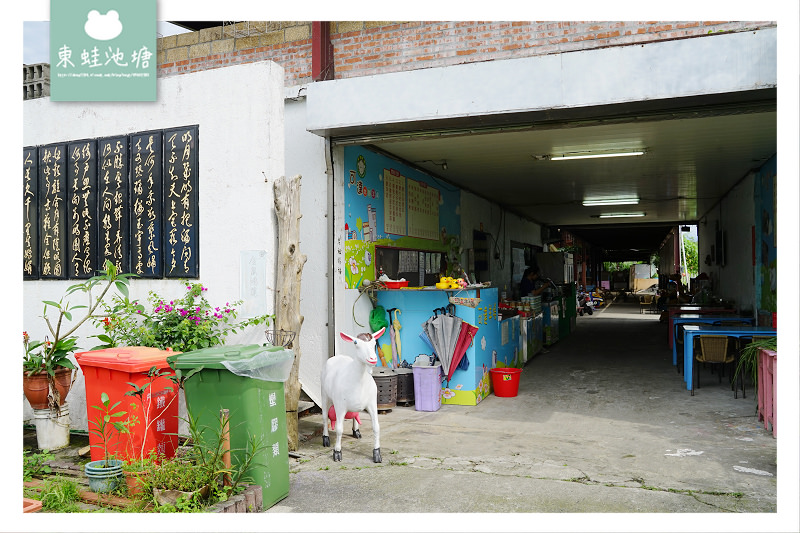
column 82, row 201
column 180, row 203
column 147, row 259
column 52, row 211
column 30, row 213
column 113, row 218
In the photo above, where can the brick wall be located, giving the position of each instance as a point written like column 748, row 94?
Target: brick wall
column 367, row 48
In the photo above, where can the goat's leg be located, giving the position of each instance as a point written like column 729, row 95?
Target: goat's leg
column 337, row 448
column 326, row 441
column 372, row 409
column 356, row 432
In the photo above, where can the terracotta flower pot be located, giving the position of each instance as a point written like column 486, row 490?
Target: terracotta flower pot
column 36, row 387
column 134, row 482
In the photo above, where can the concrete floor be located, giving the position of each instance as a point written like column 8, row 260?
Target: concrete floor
column 602, row 423
column 602, row 432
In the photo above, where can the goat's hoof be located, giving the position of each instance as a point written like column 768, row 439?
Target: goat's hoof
column 357, row 433
column 326, row 441
column 337, row 456
column 376, row 455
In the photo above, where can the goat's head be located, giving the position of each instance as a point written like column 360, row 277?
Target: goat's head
column 364, row 344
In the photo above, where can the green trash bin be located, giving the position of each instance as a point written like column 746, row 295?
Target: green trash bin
column 248, row 381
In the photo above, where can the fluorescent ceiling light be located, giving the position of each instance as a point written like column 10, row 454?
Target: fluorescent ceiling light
column 612, row 201
column 621, row 215
column 592, row 155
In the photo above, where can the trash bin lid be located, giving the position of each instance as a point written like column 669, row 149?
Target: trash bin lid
column 215, row 356
column 125, row 358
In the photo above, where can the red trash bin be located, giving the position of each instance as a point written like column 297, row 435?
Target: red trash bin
column 110, row 371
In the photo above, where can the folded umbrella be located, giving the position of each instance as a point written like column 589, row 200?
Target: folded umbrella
column 398, row 356
column 427, row 341
column 447, row 329
column 465, row 338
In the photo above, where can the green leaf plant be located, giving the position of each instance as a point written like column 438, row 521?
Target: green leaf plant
column 183, row 324
column 107, row 421
column 53, row 353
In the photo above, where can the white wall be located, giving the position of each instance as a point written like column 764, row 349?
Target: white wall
column 239, row 111
column 726, row 63
column 735, row 215
column 305, row 155
column 503, row 229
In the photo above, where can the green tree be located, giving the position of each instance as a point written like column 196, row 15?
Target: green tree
column 619, row 266
column 690, row 248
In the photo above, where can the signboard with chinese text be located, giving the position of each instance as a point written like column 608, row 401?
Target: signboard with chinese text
column 180, row 202
column 394, row 203
column 423, row 210
column 52, row 210
column 96, row 199
column 103, row 50
column 30, row 213
column 113, row 236
column 82, row 202
column 146, row 193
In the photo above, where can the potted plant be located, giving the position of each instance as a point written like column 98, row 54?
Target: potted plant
column 105, row 474
column 48, row 361
column 748, row 358
column 141, row 460
column 137, row 471
column 47, row 371
column 183, row 324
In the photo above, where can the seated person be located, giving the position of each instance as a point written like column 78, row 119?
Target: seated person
column 531, row 283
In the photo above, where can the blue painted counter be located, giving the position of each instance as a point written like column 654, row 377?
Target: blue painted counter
column 466, row 387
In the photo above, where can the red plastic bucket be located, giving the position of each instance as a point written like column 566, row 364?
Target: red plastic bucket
column 505, row 381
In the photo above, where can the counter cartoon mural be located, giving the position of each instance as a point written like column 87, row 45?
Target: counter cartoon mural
column 391, row 204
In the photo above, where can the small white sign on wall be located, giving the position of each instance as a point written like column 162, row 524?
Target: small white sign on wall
column 253, row 265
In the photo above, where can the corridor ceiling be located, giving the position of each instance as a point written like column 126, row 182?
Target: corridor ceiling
column 696, row 151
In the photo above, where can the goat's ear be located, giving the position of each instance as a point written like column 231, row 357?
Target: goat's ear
column 345, row 336
column 378, row 333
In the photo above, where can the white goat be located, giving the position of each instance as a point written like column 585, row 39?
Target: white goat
column 347, row 384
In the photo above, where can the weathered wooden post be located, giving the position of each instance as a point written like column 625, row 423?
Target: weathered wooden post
column 287, row 300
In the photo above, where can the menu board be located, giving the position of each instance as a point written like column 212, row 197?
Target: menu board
column 113, row 208
column 394, row 202
column 180, row 202
column 82, row 201
column 423, row 210
column 52, row 210
column 147, row 259
column 30, row 213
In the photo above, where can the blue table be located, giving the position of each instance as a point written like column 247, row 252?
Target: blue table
column 690, row 332
column 707, row 319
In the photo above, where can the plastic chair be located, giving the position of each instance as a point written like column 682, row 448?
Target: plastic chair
column 714, row 351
